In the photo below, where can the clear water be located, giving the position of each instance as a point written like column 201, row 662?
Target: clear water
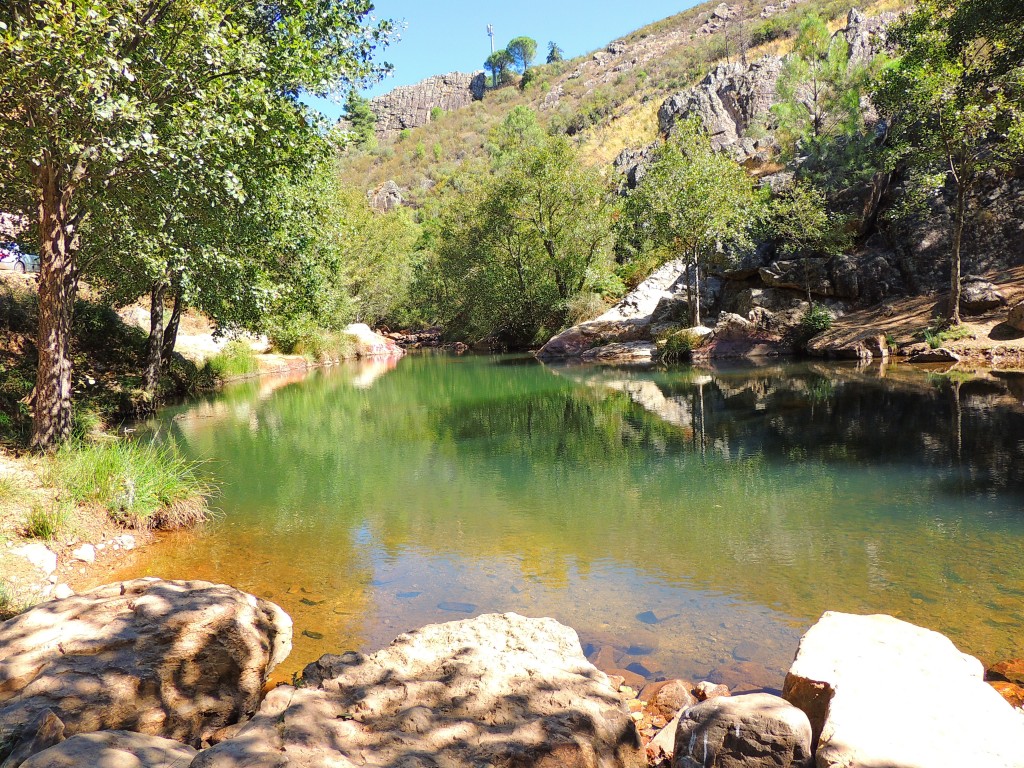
column 695, row 523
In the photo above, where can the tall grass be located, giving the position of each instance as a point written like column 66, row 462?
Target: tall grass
column 48, row 522
column 141, row 485
column 8, row 488
column 236, row 359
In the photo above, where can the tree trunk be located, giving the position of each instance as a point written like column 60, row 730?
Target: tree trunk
column 954, row 276
column 58, row 284
column 689, row 289
column 696, row 290
column 155, row 347
column 171, row 331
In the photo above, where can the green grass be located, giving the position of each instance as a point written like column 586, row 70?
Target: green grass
column 679, row 345
column 141, row 485
column 9, row 487
column 939, row 333
column 321, row 346
column 48, row 522
column 236, row 359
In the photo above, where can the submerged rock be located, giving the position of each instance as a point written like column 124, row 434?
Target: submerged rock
column 753, row 731
column 882, row 692
column 179, row 659
column 495, row 690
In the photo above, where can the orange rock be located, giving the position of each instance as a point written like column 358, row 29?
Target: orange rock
column 1012, row 692
column 1007, row 671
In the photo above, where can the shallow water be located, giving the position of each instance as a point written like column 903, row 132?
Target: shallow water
column 694, row 522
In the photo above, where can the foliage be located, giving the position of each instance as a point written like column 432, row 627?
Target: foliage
column 817, row 319
column 940, row 331
column 500, row 64
column 678, row 345
column 510, row 251
column 989, row 30
column 47, row 521
column 692, row 202
column 237, row 358
column 951, row 121
column 818, row 109
column 555, row 53
column 140, row 484
column 361, row 118
column 523, row 50
column 325, row 346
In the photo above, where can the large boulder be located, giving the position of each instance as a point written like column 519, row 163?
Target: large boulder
column 798, row 274
column 369, row 343
column 1015, row 317
column 499, row 690
column 978, row 296
column 622, row 352
column 179, row 659
column 114, row 749
column 753, row 731
column 881, row 692
column 850, row 344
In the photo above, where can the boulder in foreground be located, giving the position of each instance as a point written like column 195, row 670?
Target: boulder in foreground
column 178, row 659
column 500, row 690
column 114, row 749
column 757, row 730
column 881, row 692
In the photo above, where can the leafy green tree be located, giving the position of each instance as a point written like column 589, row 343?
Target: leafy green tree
column 803, row 226
column 691, row 202
column 515, row 248
column 499, row 64
column 523, row 51
column 361, row 118
column 519, row 130
column 89, row 95
column 951, row 120
column 818, row 108
column 555, row 53
column 989, row 29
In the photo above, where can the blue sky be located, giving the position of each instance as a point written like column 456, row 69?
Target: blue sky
column 451, row 35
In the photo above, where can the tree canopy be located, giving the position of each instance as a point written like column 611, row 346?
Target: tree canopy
column 523, row 51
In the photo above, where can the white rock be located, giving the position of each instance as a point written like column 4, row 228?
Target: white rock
column 114, row 749
column 86, row 553
column 124, row 541
column 882, row 692
column 62, row 591
column 40, row 556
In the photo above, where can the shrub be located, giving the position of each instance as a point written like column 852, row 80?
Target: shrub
column 47, row 522
column 325, row 346
column 678, row 346
column 939, row 332
column 236, row 359
column 584, row 306
column 817, row 319
column 436, row 113
column 141, row 485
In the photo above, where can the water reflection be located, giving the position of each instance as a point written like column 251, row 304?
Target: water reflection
column 672, row 516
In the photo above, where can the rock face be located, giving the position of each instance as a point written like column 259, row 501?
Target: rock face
column 868, row 344
column 498, row 690
column 753, row 731
column 386, row 197
column 178, row 659
column 728, row 102
column 881, row 692
column 114, row 749
column 409, row 106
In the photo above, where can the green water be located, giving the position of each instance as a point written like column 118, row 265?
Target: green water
column 692, row 522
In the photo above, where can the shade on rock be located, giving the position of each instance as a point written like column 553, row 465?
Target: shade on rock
column 499, row 690
column 178, row 659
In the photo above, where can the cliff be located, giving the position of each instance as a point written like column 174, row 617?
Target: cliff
column 410, row 106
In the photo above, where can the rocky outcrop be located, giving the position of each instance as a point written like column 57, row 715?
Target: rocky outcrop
column 729, row 101
column 622, row 352
column 867, row 344
column 737, row 337
column 879, row 691
column 386, row 197
column 369, row 343
column 410, row 106
column 494, row 690
column 114, row 749
column 178, row 659
column 937, row 355
column 978, row 296
column 753, row 731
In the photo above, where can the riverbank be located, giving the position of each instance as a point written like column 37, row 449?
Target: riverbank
column 496, row 689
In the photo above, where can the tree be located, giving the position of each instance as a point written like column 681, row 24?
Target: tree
column 818, row 108
column 519, row 130
column 499, row 64
column 692, row 201
column 801, row 223
column 555, row 53
column 523, row 51
column 951, row 120
column 361, row 118
column 990, row 29
column 515, row 248
column 88, row 92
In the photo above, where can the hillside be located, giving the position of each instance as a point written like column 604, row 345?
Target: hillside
column 607, row 100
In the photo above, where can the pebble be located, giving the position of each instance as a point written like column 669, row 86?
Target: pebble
column 62, row 591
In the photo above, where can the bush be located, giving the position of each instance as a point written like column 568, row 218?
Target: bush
column 47, row 522
column 325, row 346
column 236, row 359
column 817, row 319
column 939, row 332
column 141, row 485
column 584, row 306
column 678, row 346
column 436, row 113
